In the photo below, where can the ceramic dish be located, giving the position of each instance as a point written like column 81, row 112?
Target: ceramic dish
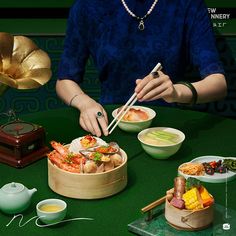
column 51, row 211
column 161, row 151
column 216, row 177
column 136, row 126
column 75, row 145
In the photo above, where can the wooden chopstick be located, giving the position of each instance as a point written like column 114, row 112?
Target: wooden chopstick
column 128, row 104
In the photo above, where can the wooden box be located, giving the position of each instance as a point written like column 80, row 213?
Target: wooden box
column 187, row 219
column 21, row 143
column 88, row 186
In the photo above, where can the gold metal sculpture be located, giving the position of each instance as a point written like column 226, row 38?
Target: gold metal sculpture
column 22, row 64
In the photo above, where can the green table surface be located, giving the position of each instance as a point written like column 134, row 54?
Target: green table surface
column 148, row 178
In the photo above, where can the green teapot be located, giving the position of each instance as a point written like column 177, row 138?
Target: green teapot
column 15, row 198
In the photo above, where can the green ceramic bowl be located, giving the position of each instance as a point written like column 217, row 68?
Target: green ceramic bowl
column 136, row 126
column 161, row 151
column 51, row 211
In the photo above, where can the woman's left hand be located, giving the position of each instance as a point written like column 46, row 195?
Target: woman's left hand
column 151, row 88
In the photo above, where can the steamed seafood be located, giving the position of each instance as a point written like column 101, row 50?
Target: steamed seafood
column 88, row 141
column 96, row 160
column 116, row 159
column 100, row 168
column 109, row 166
column 62, row 158
column 97, row 156
column 90, row 167
column 135, row 114
column 106, row 149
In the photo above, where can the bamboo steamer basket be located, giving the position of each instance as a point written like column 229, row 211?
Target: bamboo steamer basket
column 88, row 186
column 187, row 219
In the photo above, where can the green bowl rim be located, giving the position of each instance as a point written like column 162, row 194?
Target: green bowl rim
column 136, row 122
column 167, row 145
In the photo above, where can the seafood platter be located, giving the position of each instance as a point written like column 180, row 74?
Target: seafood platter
column 87, row 168
column 212, row 169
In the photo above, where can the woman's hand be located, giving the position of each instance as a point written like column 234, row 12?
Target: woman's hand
column 89, row 116
column 150, row 88
column 89, row 120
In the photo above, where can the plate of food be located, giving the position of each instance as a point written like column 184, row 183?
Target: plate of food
column 136, row 119
column 211, row 169
column 85, row 142
column 87, row 168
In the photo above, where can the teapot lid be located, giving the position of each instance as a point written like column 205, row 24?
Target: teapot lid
column 13, row 187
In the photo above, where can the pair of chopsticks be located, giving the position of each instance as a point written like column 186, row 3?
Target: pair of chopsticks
column 128, row 104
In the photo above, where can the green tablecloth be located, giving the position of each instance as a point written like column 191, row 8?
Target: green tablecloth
column 148, row 179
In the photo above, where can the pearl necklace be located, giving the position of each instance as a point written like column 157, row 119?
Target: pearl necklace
column 140, row 19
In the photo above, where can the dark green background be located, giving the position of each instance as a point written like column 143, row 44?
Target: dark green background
column 148, row 178
column 57, row 26
column 205, row 134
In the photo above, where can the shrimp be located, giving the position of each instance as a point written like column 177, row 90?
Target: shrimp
column 57, row 160
column 64, row 151
column 64, row 159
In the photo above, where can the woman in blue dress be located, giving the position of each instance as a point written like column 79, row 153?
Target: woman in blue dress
column 126, row 39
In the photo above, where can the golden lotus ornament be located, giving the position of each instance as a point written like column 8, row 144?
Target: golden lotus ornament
column 23, row 65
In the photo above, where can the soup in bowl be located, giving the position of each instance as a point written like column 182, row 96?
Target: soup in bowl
column 161, row 142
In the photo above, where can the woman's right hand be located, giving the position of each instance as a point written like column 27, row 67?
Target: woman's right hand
column 89, row 119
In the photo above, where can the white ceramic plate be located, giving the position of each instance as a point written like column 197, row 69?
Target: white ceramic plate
column 75, row 145
column 217, row 177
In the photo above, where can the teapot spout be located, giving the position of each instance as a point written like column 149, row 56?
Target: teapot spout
column 32, row 191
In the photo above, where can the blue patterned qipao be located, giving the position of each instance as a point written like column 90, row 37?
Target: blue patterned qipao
column 177, row 32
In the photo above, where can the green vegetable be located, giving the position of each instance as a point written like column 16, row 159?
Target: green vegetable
column 168, row 137
column 69, row 157
column 191, row 183
column 230, row 164
column 97, row 156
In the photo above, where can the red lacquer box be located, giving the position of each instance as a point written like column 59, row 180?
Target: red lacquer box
column 21, row 143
